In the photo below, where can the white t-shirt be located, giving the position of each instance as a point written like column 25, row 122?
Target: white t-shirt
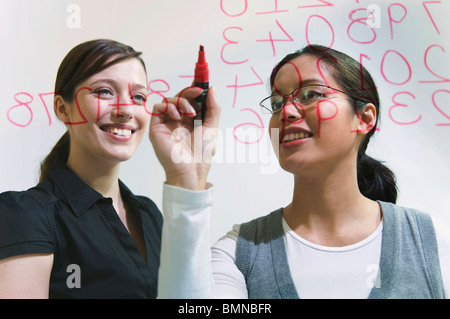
column 188, row 270
column 333, row 272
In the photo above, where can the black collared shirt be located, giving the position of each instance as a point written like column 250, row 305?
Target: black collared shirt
column 94, row 254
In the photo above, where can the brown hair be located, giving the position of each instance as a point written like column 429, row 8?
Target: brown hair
column 83, row 61
column 375, row 180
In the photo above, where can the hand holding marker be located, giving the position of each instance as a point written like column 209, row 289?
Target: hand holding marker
column 201, row 80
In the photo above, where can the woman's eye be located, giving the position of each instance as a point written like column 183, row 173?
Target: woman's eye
column 139, row 98
column 277, row 105
column 311, row 95
column 103, row 92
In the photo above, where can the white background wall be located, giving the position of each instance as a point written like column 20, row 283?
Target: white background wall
column 407, row 51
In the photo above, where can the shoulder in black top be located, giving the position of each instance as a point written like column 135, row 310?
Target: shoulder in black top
column 94, row 255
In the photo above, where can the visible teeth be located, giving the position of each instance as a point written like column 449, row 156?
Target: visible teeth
column 118, row 131
column 295, row 136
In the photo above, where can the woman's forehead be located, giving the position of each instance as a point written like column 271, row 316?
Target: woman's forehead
column 130, row 70
column 303, row 70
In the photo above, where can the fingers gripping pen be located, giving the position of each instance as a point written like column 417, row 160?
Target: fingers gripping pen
column 201, row 80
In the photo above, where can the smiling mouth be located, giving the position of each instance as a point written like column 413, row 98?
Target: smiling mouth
column 118, row 131
column 295, row 136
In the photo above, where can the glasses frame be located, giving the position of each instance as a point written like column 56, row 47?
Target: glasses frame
column 292, row 96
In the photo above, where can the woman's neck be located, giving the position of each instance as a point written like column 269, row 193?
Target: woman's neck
column 330, row 210
column 102, row 177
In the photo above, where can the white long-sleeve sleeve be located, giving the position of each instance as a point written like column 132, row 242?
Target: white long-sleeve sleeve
column 185, row 269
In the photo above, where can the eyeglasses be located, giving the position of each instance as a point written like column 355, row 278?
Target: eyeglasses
column 306, row 96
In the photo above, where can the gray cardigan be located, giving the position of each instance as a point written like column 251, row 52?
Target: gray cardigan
column 409, row 262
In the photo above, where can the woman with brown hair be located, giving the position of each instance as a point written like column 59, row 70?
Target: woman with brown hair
column 81, row 233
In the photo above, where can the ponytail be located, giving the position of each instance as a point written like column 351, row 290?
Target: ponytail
column 60, row 150
column 375, row 180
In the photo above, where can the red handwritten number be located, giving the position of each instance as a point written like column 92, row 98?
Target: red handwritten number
column 363, row 21
column 21, row 103
column 159, row 93
column 324, row 4
column 275, row 11
column 397, row 104
column 228, row 43
column 307, row 29
column 391, row 20
column 428, row 68
column 272, row 40
column 429, row 14
column 118, row 104
column 233, row 15
column 78, row 107
column 406, row 62
column 236, row 86
column 45, row 106
column 433, row 98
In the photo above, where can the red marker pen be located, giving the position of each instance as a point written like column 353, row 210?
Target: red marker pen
column 201, row 80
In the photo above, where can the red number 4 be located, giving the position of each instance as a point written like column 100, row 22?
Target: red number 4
column 272, row 40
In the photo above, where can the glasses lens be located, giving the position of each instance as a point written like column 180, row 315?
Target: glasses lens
column 308, row 95
column 304, row 96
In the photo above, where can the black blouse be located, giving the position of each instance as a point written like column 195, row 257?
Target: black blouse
column 94, row 254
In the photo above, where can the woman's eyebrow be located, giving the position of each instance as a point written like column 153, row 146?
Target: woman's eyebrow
column 137, row 86
column 113, row 82
column 312, row 81
column 105, row 80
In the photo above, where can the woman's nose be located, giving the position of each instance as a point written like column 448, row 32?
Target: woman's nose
column 292, row 112
column 123, row 109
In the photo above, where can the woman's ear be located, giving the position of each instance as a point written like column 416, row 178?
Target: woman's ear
column 367, row 117
column 61, row 108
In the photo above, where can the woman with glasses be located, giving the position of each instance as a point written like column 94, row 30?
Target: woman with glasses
column 342, row 236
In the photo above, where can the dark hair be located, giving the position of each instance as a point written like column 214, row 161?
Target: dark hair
column 83, row 61
column 375, row 180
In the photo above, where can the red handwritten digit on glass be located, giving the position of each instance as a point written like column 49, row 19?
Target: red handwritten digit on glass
column 425, row 61
column 84, row 121
column 392, row 20
column 363, row 21
column 236, row 86
column 326, row 21
column 272, row 40
column 397, row 104
column 323, row 4
column 159, row 93
column 276, row 10
column 429, row 13
column 222, row 7
column 229, row 42
column 21, row 103
column 447, row 116
column 383, row 61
